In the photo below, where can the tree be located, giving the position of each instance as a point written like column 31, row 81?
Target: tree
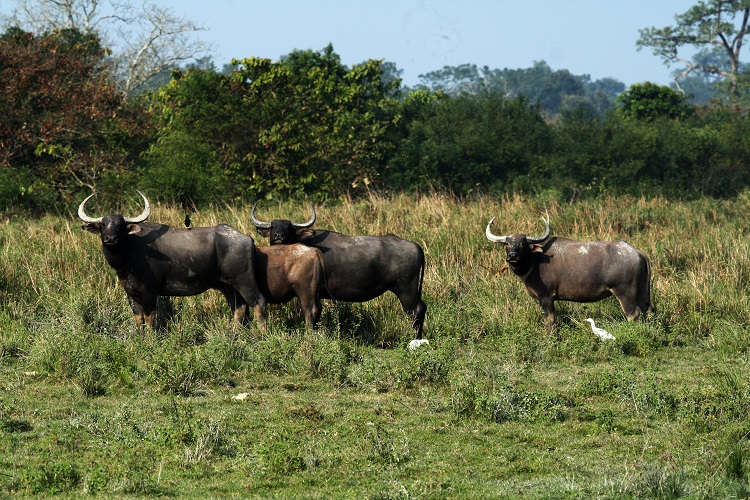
column 304, row 124
column 391, row 76
column 62, row 123
column 453, row 80
column 701, row 87
column 464, row 143
column 144, row 39
column 649, row 101
column 711, row 24
column 553, row 90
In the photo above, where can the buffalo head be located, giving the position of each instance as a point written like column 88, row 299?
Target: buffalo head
column 281, row 231
column 113, row 228
column 517, row 246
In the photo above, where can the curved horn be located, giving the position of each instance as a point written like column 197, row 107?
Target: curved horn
column 144, row 215
column 492, row 237
column 82, row 211
column 539, row 239
column 258, row 223
column 309, row 222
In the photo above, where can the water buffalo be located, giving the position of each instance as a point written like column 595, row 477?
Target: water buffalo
column 579, row 271
column 286, row 271
column 153, row 259
column 359, row 268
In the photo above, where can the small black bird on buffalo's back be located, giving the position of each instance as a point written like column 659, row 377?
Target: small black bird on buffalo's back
column 153, row 260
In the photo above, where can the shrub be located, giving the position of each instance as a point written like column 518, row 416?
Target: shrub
column 181, row 168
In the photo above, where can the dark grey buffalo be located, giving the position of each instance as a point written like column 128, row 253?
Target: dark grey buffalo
column 359, row 268
column 153, row 259
column 287, row 271
column 579, row 271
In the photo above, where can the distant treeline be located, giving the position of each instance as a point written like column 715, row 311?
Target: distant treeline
column 309, row 126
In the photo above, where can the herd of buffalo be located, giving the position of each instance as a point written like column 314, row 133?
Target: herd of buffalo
column 153, row 260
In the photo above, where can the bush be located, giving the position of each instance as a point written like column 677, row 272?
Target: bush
column 181, row 168
column 467, row 143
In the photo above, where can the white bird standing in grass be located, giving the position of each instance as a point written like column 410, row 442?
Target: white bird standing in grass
column 414, row 344
column 601, row 332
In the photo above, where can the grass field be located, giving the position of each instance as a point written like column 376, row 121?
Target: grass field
column 495, row 406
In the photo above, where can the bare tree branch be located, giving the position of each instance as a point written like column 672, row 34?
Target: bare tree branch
column 709, row 23
column 145, row 39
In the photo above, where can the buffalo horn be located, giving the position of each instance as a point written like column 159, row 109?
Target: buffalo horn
column 539, row 239
column 492, row 237
column 309, row 222
column 144, row 215
column 267, row 225
column 258, row 223
column 134, row 220
column 82, row 211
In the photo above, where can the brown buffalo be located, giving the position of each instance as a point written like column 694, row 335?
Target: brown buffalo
column 287, row 271
column 359, row 268
column 555, row 268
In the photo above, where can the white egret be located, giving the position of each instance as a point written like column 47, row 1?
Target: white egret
column 414, row 344
column 600, row 332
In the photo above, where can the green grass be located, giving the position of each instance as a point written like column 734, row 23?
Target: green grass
column 495, row 406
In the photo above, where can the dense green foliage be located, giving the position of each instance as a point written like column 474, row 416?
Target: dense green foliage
column 303, row 125
column 308, row 126
column 468, row 143
column 648, row 101
column 494, row 406
column 62, row 124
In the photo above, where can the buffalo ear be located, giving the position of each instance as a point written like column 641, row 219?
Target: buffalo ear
column 134, row 228
column 92, row 227
column 264, row 231
column 537, row 249
column 304, row 233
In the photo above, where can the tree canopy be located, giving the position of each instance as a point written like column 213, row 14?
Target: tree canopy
column 304, row 124
column 716, row 26
column 142, row 39
column 61, row 118
column 309, row 126
column 555, row 91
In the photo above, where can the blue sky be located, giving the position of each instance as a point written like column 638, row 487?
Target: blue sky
column 594, row 37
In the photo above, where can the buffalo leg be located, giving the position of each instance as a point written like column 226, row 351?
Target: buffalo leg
column 240, row 297
column 644, row 301
column 140, row 320
column 548, row 311
column 629, row 307
column 311, row 309
column 149, row 319
column 143, row 311
column 258, row 302
column 417, row 312
column 236, row 303
column 260, row 314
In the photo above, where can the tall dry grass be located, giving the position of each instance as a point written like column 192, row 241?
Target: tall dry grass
column 54, row 272
column 672, row 386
